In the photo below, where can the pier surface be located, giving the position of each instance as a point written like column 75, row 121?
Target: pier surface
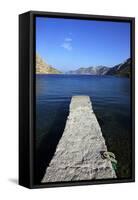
column 78, row 153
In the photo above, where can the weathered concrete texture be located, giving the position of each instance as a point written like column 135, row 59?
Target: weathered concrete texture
column 78, row 154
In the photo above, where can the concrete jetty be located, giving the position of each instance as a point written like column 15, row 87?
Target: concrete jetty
column 78, row 154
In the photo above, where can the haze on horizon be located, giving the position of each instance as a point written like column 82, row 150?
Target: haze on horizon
column 69, row 44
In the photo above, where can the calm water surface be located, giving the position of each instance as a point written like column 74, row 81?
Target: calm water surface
column 110, row 98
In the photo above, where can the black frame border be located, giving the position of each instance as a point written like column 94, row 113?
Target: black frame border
column 32, row 116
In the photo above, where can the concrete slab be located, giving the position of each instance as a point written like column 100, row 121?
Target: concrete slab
column 78, row 154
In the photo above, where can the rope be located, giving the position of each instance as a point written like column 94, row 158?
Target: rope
column 111, row 157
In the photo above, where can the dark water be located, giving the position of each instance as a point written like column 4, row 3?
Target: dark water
column 110, row 98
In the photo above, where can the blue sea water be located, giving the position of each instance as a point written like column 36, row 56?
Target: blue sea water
column 110, row 97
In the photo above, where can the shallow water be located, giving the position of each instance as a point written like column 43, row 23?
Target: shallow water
column 110, row 98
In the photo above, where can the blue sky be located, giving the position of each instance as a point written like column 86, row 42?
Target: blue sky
column 68, row 44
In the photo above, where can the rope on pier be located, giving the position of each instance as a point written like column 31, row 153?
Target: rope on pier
column 110, row 156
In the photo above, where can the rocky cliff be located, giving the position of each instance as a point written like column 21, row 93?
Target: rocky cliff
column 122, row 69
column 43, row 68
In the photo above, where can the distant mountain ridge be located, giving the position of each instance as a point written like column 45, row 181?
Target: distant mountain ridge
column 99, row 70
column 43, row 68
column 122, row 69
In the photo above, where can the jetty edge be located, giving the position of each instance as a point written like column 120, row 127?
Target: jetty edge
column 78, row 153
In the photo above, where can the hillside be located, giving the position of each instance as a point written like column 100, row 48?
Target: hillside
column 99, row 70
column 43, row 68
column 122, row 69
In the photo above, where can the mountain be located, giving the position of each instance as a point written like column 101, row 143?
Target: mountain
column 99, row 70
column 122, row 69
column 43, row 68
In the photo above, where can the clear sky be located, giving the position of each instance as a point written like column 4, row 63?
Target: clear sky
column 68, row 44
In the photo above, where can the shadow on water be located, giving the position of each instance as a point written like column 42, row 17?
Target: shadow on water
column 48, row 145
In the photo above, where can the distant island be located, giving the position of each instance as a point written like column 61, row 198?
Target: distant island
column 122, row 69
